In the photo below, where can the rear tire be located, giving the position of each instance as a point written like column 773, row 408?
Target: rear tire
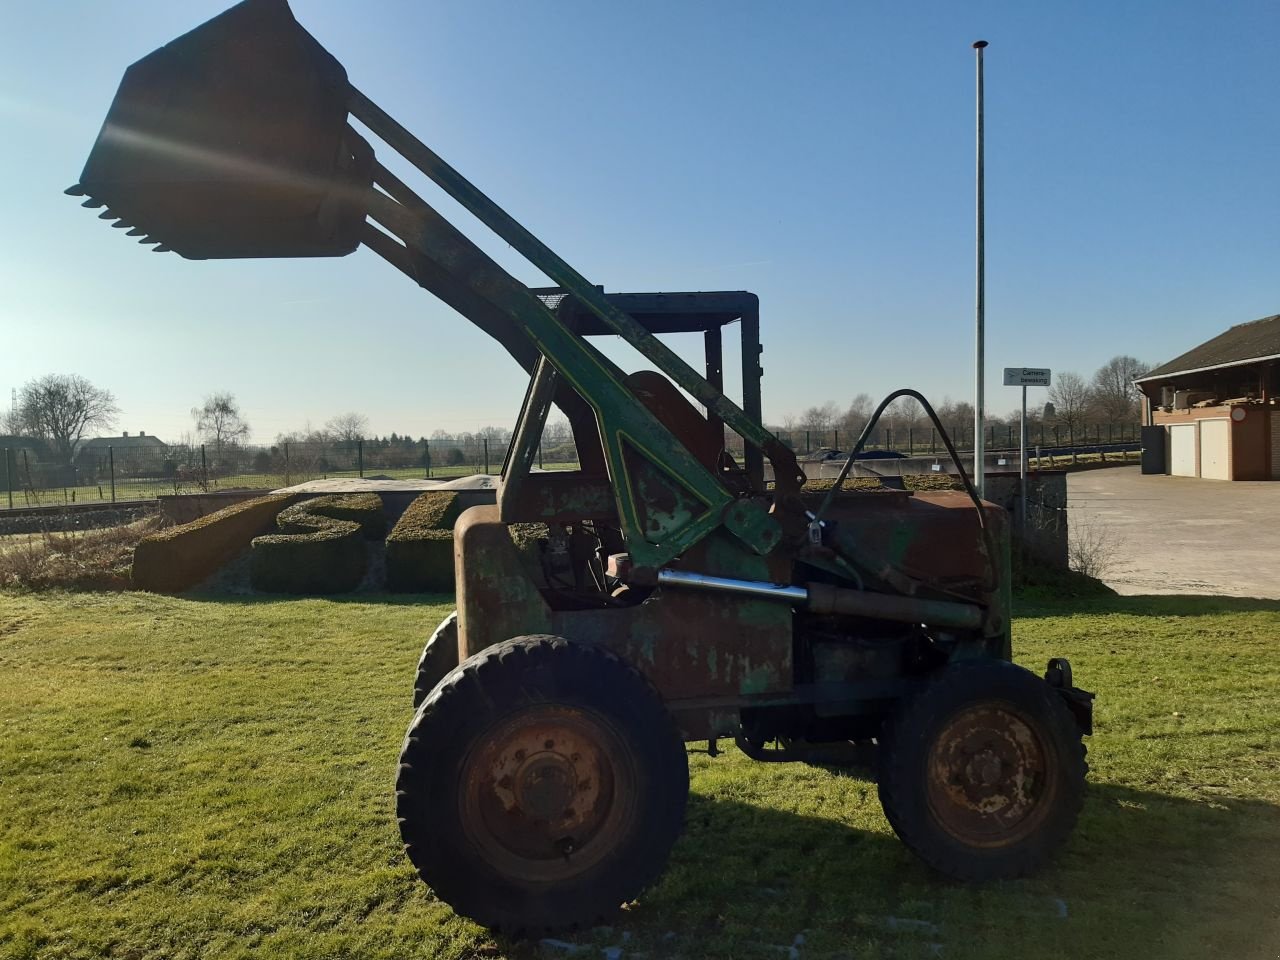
column 439, row 656
column 982, row 771
column 541, row 786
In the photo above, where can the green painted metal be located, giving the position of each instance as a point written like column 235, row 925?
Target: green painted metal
column 625, row 425
column 524, row 444
column 623, row 420
column 751, row 522
column 546, row 260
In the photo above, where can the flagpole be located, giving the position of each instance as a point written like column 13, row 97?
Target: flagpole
column 980, row 306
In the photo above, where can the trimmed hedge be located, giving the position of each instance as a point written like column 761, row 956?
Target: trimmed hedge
column 319, row 548
column 362, row 508
column 420, row 546
column 178, row 558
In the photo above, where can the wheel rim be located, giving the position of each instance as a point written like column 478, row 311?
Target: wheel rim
column 991, row 779
column 548, row 792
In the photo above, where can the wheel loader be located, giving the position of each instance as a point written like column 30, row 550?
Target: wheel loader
column 667, row 591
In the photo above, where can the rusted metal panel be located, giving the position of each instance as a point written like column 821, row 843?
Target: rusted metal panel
column 687, row 643
column 496, row 598
column 692, row 644
column 931, row 544
column 560, row 498
column 932, row 536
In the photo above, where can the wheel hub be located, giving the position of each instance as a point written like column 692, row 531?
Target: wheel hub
column 546, row 786
column 985, row 769
column 547, row 792
column 989, row 776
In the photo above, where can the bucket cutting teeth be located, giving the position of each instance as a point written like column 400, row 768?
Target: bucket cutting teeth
column 162, row 249
column 136, row 232
column 146, row 240
column 75, row 190
column 107, row 215
column 92, row 203
column 122, row 225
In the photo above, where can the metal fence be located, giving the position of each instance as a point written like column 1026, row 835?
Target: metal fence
column 921, row 440
column 31, row 476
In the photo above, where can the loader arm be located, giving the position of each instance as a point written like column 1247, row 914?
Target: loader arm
column 261, row 162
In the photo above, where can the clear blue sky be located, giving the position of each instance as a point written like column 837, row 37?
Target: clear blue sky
column 818, row 154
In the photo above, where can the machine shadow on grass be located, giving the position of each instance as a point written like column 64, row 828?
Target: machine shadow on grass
column 1144, row 605
column 1145, row 874
column 1025, row 608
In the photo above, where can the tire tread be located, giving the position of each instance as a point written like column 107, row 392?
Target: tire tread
column 448, row 707
column 902, row 792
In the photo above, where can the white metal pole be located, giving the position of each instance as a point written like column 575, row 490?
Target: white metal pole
column 1022, row 464
column 979, row 405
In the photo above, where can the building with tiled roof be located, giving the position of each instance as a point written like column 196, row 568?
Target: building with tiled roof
column 1213, row 412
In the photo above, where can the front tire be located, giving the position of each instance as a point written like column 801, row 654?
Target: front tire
column 541, row 786
column 982, row 771
column 439, row 656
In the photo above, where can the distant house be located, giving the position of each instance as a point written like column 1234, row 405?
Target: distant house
column 34, row 445
column 1216, row 406
column 138, row 454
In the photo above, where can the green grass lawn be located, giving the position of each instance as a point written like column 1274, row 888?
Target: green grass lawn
column 186, row 778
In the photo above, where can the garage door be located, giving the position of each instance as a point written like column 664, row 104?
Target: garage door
column 1182, row 450
column 1215, row 439
column 1275, row 446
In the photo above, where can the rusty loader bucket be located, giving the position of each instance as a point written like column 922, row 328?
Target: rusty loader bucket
column 232, row 141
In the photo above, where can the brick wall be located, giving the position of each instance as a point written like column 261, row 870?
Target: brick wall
column 1250, row 440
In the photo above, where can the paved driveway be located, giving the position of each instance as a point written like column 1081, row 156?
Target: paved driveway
column 1181, row 535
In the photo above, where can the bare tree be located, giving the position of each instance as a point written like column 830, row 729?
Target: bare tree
column 855, row 416
column 347, row 427
column 11, row 423
column 818, row 422
column 62, row 407
column 957, row 419
column 1070, row 396
column 557, row 431
column 307, row 434
column 904, row 413
column 220, row 422
column 1114, row 395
